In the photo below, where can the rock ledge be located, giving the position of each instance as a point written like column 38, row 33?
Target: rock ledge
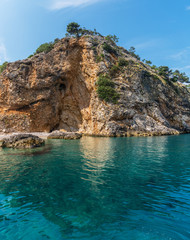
column 22, row 141
column 64, row 135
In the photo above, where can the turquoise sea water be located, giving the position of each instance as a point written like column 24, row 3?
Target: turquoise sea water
column 97, row 189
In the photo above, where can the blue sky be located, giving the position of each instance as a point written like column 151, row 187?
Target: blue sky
column 158, row 29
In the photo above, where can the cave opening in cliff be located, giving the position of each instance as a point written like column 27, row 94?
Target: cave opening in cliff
column 62, row 89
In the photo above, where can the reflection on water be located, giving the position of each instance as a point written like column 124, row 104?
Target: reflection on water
column 97, row 152
column 97, row 188
column 32, row 152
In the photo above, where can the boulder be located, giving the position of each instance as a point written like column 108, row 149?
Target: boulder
column 22, row 141
column 64, row 135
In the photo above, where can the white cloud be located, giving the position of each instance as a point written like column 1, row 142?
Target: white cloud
column 145, row 45
column 60, row 4
column 3, row 53
column 184, row 54
column 181, row 60
column 148, row 44
column 184, row 68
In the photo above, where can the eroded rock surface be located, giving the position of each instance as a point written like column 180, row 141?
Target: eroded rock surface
column 57, row 90
column 22, row 141
column 64, row 135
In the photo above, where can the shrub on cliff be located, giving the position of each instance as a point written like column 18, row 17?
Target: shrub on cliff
column 133, row 54
column 115, row 69
column 109, row 48
column 3, row 66
column 164, row 72
column 180, row 77
column 74, row 30
column 172, row 76
column 122, row 62
column 112, row 38
column 45, row 47
column 106, row 89
column 31, row 55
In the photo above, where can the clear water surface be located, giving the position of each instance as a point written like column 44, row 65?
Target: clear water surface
column 96, row 189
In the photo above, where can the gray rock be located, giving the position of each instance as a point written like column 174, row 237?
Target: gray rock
column 64, row 135
column 22, row 141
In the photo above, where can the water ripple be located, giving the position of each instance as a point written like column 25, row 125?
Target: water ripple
column 97, row 188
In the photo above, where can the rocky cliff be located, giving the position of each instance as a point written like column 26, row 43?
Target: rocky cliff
column 58, row 90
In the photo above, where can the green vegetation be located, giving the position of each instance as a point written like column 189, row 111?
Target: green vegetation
column 181, row 77
column 74, row 30
column 56, row 40
column 133, row 54
column 118, row 67
column 3, row 67
column 100, row 58
column 105, row 89
column 168, row 74
column 164, row 72
column 115, row 69
column 155, row 77
column 122, row 62
column 154, row 67
column 174, row 76
column 147, row 62
column 109, row 48
column 45, row 47
column 112, row 38
column 94, row 48
column 31, row 56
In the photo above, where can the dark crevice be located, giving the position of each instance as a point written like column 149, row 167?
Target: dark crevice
column 62, row 87
column 29, row 105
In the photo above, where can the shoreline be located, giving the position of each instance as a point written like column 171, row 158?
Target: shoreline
column 44, row 135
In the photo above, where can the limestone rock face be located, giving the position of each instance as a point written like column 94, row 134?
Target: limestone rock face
column 22, row 141
column 57, row 90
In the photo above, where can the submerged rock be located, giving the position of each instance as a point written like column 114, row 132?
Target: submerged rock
column 22, row 141
column 64, row 135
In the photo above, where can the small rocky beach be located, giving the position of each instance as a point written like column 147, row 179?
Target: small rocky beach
column 33, row 140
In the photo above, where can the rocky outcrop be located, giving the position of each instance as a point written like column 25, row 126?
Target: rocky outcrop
column 22, row 141
column 57, row 90
column 64, row 135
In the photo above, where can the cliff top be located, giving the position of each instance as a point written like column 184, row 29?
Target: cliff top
column 85, row 82
column 104, row 46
